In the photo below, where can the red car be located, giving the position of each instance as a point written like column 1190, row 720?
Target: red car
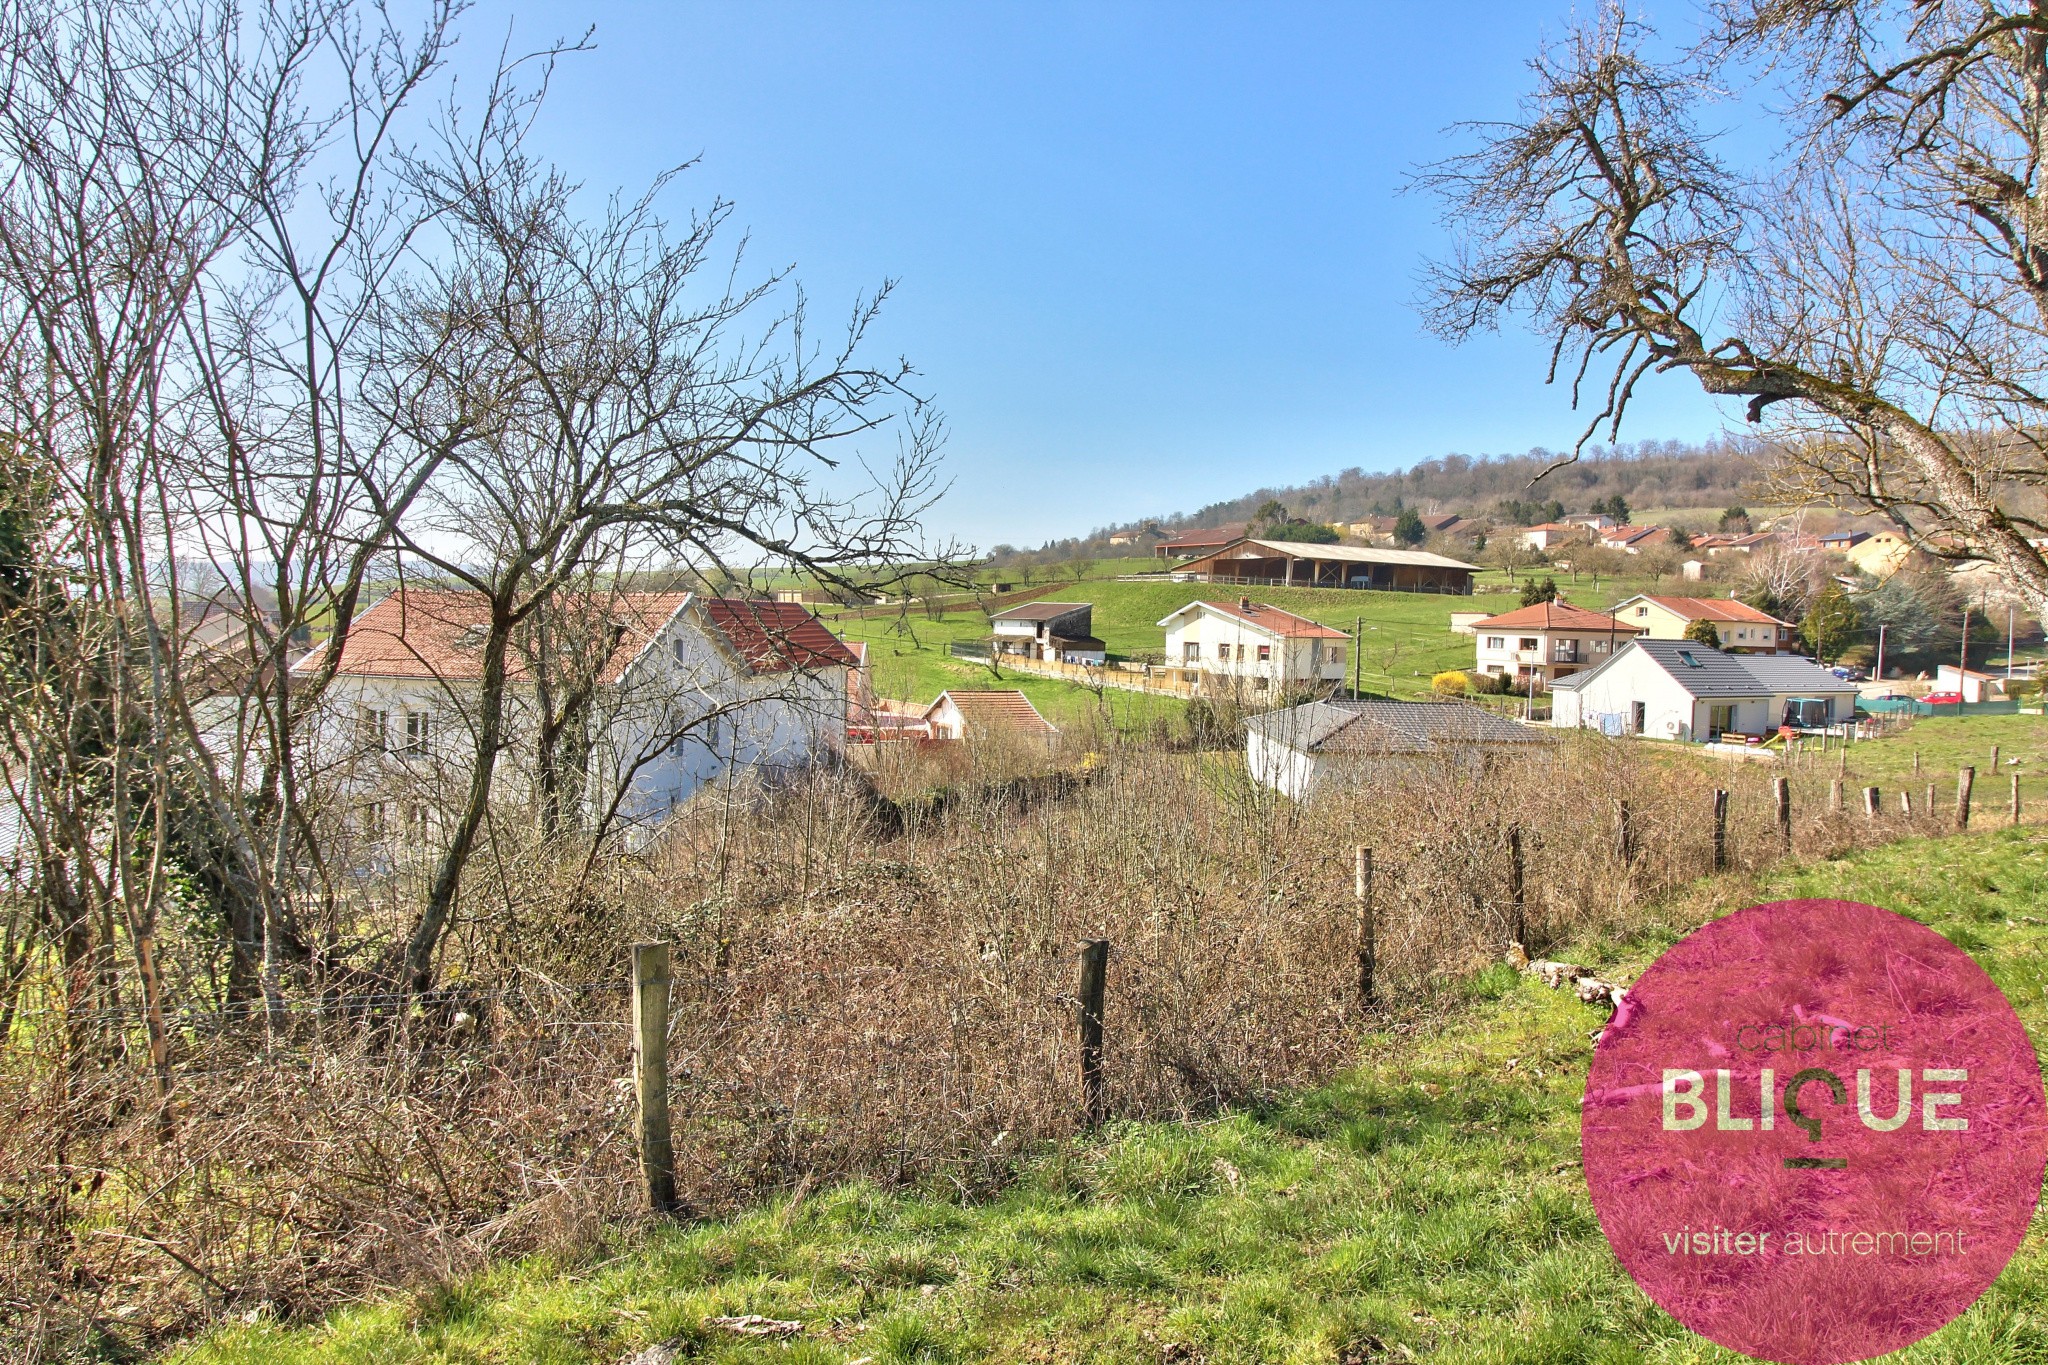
column 1943, row 698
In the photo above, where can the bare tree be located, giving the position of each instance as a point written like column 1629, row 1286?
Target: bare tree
column 595, row 401
column 1876, row 288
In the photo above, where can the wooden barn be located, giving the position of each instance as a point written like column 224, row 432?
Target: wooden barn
column 1297, row 564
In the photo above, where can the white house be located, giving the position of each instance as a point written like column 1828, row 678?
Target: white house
column 1061, row 632
column 1675, row 689
column 1544, row 642
column 682, row 689
column 1973, row 684
column 1251, row 647
column 1300, row 748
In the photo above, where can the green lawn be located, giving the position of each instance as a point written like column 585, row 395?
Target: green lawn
column 1428, row 1205
column 1947, row 743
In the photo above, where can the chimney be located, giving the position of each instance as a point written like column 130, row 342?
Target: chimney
column 1244, row 604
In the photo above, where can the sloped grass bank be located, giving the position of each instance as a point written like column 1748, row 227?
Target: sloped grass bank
column 1427, row 1206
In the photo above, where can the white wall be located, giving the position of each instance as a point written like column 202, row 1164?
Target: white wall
column 1290, row 662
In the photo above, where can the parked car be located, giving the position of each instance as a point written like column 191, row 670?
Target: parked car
column 1849, row 674
column 1943, row 698
column 1889, row 696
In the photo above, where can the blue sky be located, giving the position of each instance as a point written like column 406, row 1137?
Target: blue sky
column 1149, row 256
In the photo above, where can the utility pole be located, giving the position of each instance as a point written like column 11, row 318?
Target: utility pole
column 2008, row 646
column 1878, row 673
column 1357, row 655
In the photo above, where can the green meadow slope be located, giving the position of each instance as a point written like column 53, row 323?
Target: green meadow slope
column 1427, row 1205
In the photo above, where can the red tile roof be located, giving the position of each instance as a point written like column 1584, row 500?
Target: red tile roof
column 995, row 709
column 1554, row 616
column 1217, row 535
column 1715, row 609
column 438, row 633
column 1270, row 618
column 776, row 637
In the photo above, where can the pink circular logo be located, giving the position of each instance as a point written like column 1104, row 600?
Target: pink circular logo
column 1814, row 1131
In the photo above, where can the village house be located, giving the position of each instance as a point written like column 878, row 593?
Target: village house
column 1595, row 521
column 1972, row 685
column 1296, row 564
column 1841, row 542
column 1297, row 749
column 1714, row 544
column 1881, row 554
column 1373, row 530
column 683, row 689
column 1549, row 535
column 1181, row 544
column 1743, row 629
column 1251, row 647
column 1533, row 645
column 1635, row 539
column 1676, row 689
column 1056, row 632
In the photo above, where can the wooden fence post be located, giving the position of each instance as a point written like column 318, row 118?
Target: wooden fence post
column 2015, row 798
column 1835, row 795
column 1624, row 836
column 1720, row 829
column 1906, row 803
column 1931, row 807
column 650, row 1073
column 1966, row 778
column 1916, row 763
column 1094, row 981
column 1871, row 804
column 1994, row 758
column 1368, row 929
column 1518, row 924
column 1781, row 797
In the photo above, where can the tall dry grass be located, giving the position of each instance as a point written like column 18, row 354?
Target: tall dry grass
column 866, row 984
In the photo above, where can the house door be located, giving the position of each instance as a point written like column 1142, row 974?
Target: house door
column 1720, row 718
column 1638, row 717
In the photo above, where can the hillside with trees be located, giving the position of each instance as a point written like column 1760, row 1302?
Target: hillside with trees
column 1708, row 475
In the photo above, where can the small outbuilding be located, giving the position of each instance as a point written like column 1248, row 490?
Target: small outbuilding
column 1297, row 749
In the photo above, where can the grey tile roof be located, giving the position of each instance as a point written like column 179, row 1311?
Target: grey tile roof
column 1706, row 672
column 1388, row 727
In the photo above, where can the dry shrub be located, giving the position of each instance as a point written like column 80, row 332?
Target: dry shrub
column 862, row 987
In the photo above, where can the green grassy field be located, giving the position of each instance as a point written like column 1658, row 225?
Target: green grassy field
column 1426, row 1206
column 1407, row 636
column 1947, row 743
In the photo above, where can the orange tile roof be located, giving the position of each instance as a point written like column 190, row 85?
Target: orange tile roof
column 996, row 708
column 1270, row 618
column 436, row 633
column 1716, row 609
column 1554, row 616
column 776, row 637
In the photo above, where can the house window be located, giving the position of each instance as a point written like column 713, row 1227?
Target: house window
column 1337, row 655
column 1258, row 684
column 1265, row 654
column 1496, row 642
column 373, row 821
column 680, row 650
column 1191, row 651
column 1223, row 652
column 1642, row 611
column 1528, row 642
column 1599, row 646
column 418, row 727
column 1690, row 661
column 376, row 730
